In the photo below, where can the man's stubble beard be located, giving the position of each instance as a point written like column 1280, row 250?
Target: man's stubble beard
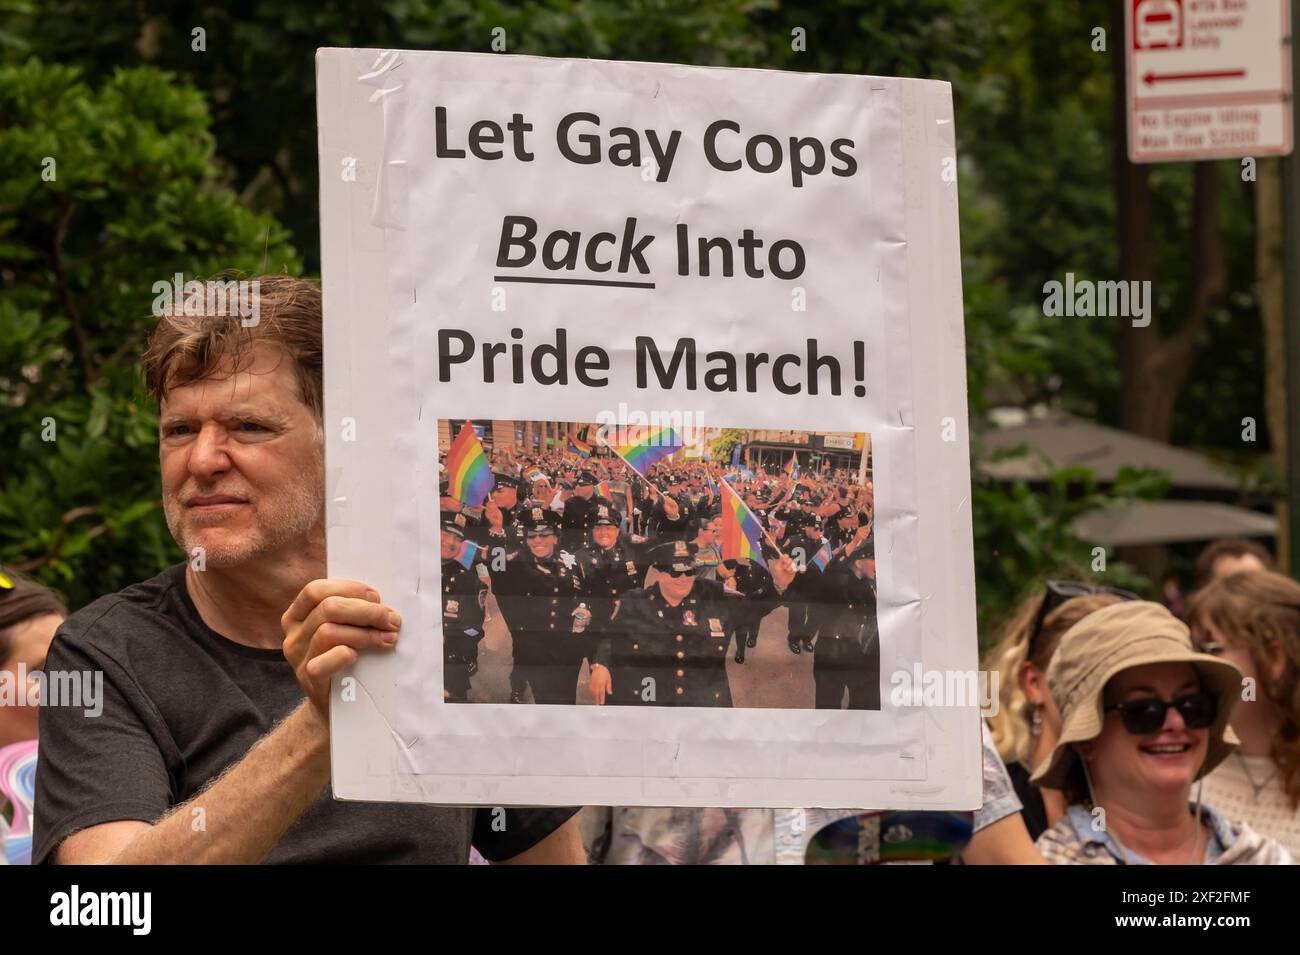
column 292, row 518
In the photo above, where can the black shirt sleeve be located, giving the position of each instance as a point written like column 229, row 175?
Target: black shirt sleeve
column 99, row 763
column 501, row 834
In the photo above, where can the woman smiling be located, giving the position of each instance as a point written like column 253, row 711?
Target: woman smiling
column 1143, row 716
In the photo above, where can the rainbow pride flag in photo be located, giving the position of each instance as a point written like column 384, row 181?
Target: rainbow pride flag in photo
column 741, row 531
column 535, row 474
column 581, row 447
column 792, row 469
column 643, row 447
column 468, row 475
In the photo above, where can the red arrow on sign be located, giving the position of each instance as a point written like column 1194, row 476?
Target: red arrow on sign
column 1151, row 78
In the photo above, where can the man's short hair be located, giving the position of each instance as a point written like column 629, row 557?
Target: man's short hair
column 184, row 348
column 1228, row 547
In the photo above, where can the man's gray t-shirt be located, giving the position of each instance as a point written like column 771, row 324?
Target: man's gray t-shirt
column 180, row 704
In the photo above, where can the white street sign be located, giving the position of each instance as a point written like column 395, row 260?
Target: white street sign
column 1207, row 79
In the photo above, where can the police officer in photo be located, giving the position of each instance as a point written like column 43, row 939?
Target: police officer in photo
column 543, row 601
column 464, row 593
column 580, row 509
column 667, row 643
column 671, row 515
column 610, row 565
column 806, row 611
column 847, row 656
column 498, row 521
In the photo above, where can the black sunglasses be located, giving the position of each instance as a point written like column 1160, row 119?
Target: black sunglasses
column 678, row 573
column 1058, row 592
column 1146, row 716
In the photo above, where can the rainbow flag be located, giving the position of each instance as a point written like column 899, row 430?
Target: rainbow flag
column 792, row 469
column 604, row 490
column 643, row 447
column 741, row 531
column 534, row 474
column 582, row 447
column 469, row 477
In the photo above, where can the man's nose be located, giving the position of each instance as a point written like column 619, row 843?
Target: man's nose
column 208, row 453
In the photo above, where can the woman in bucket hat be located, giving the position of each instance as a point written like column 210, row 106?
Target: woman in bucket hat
column 1143, row 717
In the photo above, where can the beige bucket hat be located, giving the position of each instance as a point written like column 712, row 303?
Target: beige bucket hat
column 1117, row 638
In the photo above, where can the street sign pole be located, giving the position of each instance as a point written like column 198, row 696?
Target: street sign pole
column 1291, row 318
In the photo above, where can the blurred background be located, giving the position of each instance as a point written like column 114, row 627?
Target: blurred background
column 183, row 137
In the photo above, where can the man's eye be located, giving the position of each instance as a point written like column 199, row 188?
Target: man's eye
column 177, row 430
column 250, row 426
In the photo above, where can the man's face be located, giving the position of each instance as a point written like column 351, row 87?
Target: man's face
column 605, row 535
column 584, row 490
column 505, row 497
column 541, row 544
column 241, row 455
column 450, row 546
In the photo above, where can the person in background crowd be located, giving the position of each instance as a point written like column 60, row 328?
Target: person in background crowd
column 544, row 602
column 846, row 661
column 1143, row 716
column 1229, row 555
column 30, row 613
column 610, row 566
column 216, row 681
column 1027, row 723
column 624, row 835
column 464, row 594
column 1252, row 620
column 667, row 642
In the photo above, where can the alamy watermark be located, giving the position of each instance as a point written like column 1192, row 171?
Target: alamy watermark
column 626, row 425
column 921, row 687
column 1085, row 298
column 74, row 688
column 234, row 299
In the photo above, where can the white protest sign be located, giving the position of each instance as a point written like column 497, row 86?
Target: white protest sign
column 521, row 256
column 1208, row 79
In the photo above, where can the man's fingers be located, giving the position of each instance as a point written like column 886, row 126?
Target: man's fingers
column 353, row 612
column 331, row 662
column 318, row 590
column 329, row 635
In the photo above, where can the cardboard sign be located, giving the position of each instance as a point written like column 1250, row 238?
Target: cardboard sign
column 556, row 286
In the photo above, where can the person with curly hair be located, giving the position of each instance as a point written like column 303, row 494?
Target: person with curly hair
column 1252, row 620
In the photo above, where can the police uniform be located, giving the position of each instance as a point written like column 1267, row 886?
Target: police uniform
column 661, row 527
column 511, row 535
column 580, row 512
column 806, row 609
column 608, row 573
column 658, row 654
column 463, row 594
column 755, row 596
column 847, row 655
column 538, row 599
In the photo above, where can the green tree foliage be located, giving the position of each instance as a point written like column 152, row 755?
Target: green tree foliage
column 108, row 189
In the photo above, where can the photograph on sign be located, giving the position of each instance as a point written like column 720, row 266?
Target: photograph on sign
column 629, row 570
column 682, row 351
